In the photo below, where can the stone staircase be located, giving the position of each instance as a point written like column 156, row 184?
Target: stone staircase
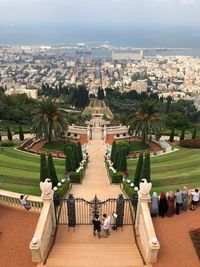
column 82, row 249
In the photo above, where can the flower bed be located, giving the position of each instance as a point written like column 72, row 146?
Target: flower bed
column 195, row 236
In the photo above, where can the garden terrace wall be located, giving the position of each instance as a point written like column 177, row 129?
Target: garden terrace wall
column 11, row 199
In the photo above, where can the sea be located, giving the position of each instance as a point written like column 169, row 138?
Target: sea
column 134, row 36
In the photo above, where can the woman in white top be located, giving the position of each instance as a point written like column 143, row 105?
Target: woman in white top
column 195, row 199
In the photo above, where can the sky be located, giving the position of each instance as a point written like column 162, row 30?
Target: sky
column 101, row 12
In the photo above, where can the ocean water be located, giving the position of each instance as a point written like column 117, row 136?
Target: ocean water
column 116, row 35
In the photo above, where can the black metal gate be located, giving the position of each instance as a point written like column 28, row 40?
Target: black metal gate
column 78, row 211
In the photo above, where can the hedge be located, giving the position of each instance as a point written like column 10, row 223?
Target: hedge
column 62, row 190
column 190, row 143
column 76, row 177
column 6, row 143
column 116, row 177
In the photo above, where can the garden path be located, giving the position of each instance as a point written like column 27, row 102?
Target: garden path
column 96, row 180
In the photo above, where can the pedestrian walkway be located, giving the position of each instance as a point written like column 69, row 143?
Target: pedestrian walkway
column 80, row 248
column 96, row 181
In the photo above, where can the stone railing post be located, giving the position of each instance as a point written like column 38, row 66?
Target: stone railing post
column 46, row 226
column 145, row 232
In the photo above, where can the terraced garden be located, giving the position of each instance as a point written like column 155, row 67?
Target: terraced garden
column 19, row 171
column 173, row 170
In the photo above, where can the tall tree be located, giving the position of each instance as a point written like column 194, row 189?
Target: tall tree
column 171, row 138
column 21, row 134
column 113, row 151
column 52, row 171
column 138, row 170
column 182, row 136
column 122, row 162
column 44, row 171
column 49, row 121
column 146, row 170
column 9, row 134
column 194, row 134
column 145, row 120
column 80, row 152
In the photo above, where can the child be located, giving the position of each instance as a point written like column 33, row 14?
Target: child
column 97, row 225
column 23, row 201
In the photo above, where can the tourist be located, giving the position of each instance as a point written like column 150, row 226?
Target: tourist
column 171, row 202
column 23, row 201
column 106, row 225
column 154, row 205
column 179, row 200
column 185, row 196
column 97, row 225
column 195, row 199
column 163, row 206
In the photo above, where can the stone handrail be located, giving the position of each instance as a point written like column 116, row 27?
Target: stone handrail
column 145, row 232
column 44, row 233
column 11, row 199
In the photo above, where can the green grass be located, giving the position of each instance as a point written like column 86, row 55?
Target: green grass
column 138, row 146
column 173, row 170
column 57, row 146
column 20, row 172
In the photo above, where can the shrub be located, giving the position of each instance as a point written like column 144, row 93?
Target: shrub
column 194, row 134
column 146, row 171
column 171, row 138
column 190, row 143
column 62, row 190
column 6, row 143
column 116, row 177
column 21, row 134
column 76, row 177
column 138, row 170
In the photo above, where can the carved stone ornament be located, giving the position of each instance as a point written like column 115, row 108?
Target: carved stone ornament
column 145, row 187
column 46, row 187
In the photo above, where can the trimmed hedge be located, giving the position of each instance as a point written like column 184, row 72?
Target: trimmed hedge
column 6, row 143
column 76, row 177
column 116, row 177
column 62, row 190
column 190, row 143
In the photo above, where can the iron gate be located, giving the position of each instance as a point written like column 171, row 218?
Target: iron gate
column 78, row 211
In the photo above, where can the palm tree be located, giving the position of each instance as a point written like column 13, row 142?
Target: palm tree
column 49, row 121
column 145, row 120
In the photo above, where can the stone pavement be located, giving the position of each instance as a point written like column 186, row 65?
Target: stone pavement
column 96, row 180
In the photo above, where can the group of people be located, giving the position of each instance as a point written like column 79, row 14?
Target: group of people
column 173, row 202
column 105, row 232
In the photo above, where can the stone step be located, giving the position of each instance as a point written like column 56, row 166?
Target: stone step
column 94, row 255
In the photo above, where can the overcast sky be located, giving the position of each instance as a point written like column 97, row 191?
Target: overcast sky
column 101, row 12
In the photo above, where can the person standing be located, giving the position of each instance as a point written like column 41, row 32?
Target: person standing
column 154, row 204
column 171, row 202
column 179, row 200
column 163, row 206
column 195, row 199
column 23, row 201
column 97, row 225
column 185, row 198
column 106, row 225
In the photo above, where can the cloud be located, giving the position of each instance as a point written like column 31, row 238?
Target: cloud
column 188, row 2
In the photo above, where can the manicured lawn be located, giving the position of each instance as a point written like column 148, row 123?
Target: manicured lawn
column 138, row 146
column 58, row 146
column 20, row 172
column 174, row 170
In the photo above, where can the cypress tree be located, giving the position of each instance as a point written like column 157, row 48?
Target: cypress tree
column 52, row 171
column 76, row 155
column 182, row 137
column 171, row 138
column 80, row 152
column 146, row 171
column 9, row 134
column 69, row 155
column 113, row 151
column 138, row 170
column 21, row 134
column 194, row 134
column 44, row 172
column 116, row 157
column 122, row 161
